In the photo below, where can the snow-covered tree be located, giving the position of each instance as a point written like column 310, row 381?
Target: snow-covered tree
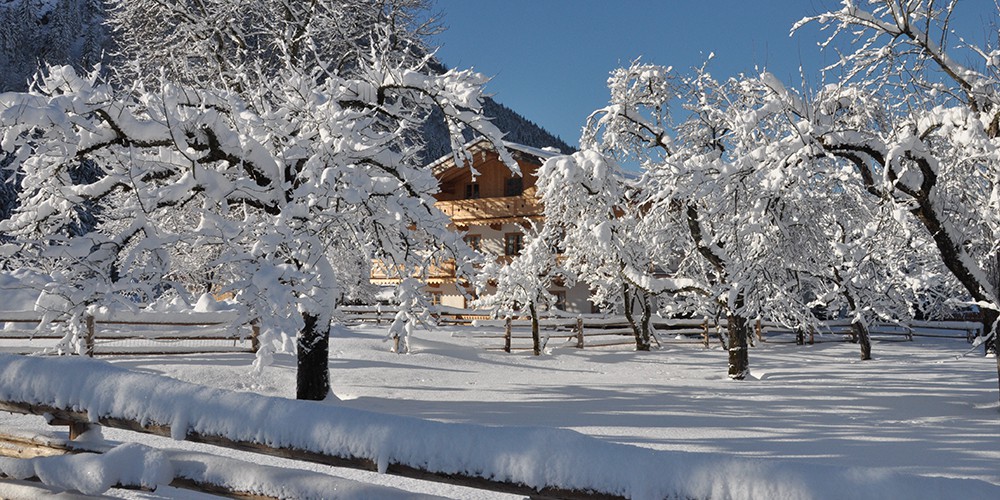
column 292, row 174
column 589, row 205
column 853, row 258
column 521, row 285
column 36, row 32
column 713, row 213
column 919, row 128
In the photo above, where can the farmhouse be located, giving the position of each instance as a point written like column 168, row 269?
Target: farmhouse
column 492, row 210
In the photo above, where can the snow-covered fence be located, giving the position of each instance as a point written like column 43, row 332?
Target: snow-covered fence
column 592, row 331
column 947, row 329
column 379, row 314
column 146, row 332
column 608, row 331
column 530, row 462
column 92, row 466
column 840, row 330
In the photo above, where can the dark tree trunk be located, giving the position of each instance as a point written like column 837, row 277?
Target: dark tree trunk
column 536, row 341
column 641, row 344
column 996, row 352
column 739, row 358
column 313, row 375
column 647, row 313
column 989, row 323
column 506, row 334
column 861, row 333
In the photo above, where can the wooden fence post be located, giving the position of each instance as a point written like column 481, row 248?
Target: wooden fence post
column 705, row 332
column 76, row 427
column 254, row 335
column 812, row 335
column 760, row 331
column 579, row 332
column 506, row 335
column 90, row 336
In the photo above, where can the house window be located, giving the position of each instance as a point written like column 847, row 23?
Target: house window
column 471, row 191
column 435, row 298
column 474, row 241
column 560, row 302
column 513, row 187
column 512, row 244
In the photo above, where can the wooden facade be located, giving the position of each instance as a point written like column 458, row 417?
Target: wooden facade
column 494, row 194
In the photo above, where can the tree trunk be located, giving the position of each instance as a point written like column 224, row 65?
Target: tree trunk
column 536, row 341
column 860, row 331
column 989, row 318
column 506, row 334
column 989, row 323
column 313, row 346
column 996, row 353
column 739, row 329
column 647, row 313
column 640, row 345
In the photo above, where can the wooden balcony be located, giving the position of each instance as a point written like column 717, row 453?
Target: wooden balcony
column 443, row 272
column 491, row 210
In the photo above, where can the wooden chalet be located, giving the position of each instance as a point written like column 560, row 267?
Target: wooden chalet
column 492, row 211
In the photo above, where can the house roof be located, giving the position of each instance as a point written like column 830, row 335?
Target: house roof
column 482, row 144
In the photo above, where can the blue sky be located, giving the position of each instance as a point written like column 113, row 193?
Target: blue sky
column 550, row 59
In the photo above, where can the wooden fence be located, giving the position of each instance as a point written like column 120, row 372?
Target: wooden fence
column 380, row 314
column 177, row 333
column 589, row 331
column 145, row 332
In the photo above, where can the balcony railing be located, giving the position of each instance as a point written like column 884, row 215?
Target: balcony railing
column 443, row 271
column 491, row 209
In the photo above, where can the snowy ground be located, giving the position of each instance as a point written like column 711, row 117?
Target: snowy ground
column 919, row 407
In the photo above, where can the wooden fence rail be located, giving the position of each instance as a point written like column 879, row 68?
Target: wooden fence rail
column 580, row 331
column 182, row 327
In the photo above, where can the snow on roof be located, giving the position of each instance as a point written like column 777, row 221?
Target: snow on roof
column 482, row 144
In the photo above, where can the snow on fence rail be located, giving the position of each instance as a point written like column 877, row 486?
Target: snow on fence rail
column 536, row 462
column 146, row 332
column 62, row 465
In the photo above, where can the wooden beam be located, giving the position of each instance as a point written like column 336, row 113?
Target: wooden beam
column 24, row 447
